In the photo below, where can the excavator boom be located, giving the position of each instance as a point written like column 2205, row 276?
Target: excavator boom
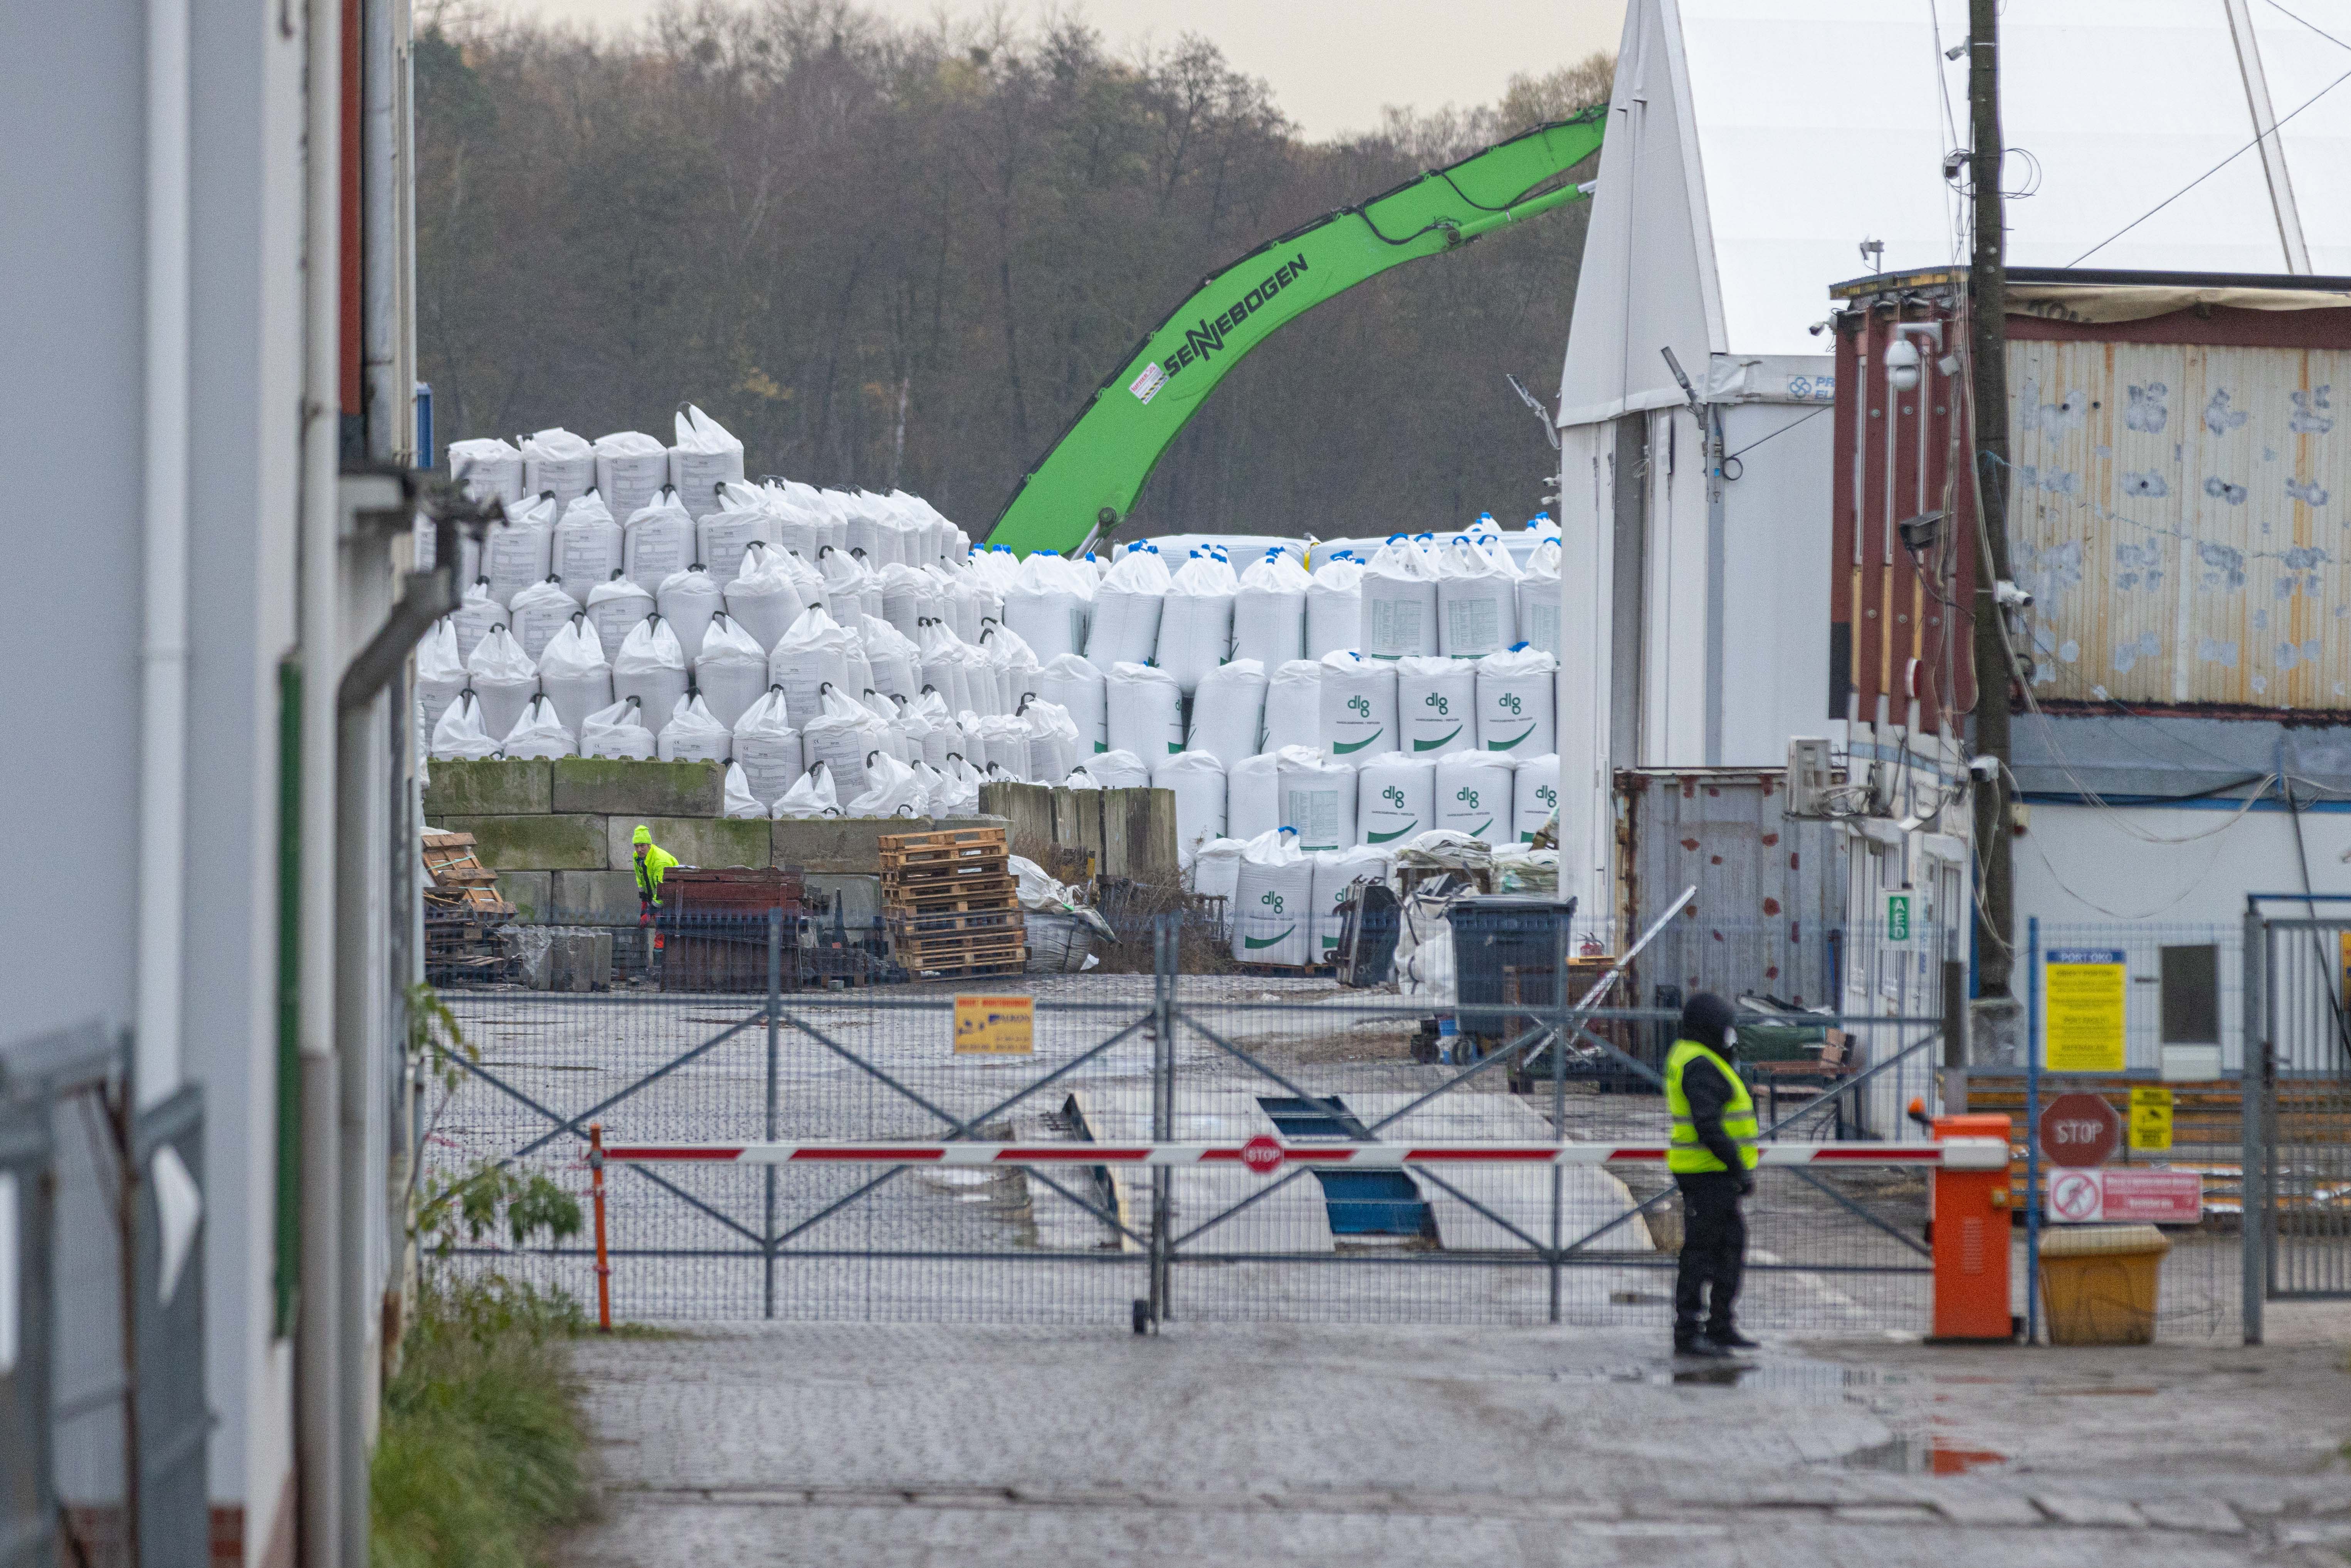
column 1086, row 483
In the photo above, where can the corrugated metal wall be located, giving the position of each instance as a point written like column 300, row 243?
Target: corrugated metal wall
column 2182, row 515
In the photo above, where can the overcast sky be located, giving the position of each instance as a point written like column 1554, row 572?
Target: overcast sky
column 1333, row 64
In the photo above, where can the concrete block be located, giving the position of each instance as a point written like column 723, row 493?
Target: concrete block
column 853, row 845
column 595, row 897
column 538, row 844
column 580, row 961
column 860, row 896
column 639, row 790
column 532, row 893
column 695, row 840
column 490, row 787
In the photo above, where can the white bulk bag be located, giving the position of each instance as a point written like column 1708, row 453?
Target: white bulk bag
column 1196, row 779
column 694, row 734
column 460, row 735
column 1229, row 711
column 1317, row 797
column 843, row 735
column 845, row 578
column 1399, row 602
column 687, row 600
column 630, row 469
column 1334, row 608
column 1358, row 707
column 1074, row 683
column 488, row 468
column 897, row 664
column 658, row 540
column 721, row 537
column 539, row 733
column 440, row 673
column 1126, row 608
column 1395, row 798
column 651, row 667
column 559, row 460
column 1293, row 706
column 964, row 741
column 910, row 596
column 955, row 793
column 1336, row 872
column 1272, row 900
column 938, row 731
column 475, row 613
column 575, row 674
column 1012, row 662
column 1215, row 871
column 1534, row 794
column 767, row 748
column 1146, row 713
column 614, row 608
column 892, row 790
column 1117, row 770
column 731, row 671
column 1006, row 739
column 1437, row 705
column 538, row 612
column 617, row 732
column 1516, row 703
column 1270, row 610
column 1047, row 605
column 1253, row 796
column 946, row 668
column 1196, row 621
column 811, row 795
column 739, row 801
column 1538, row 599
column 516, row 553
column 1473, row 795
column 963, row 603
column 763, row 599
column 1053, row 745
column 1477, row 603
column 585, row 547
column 705, row 458
column 504, row 677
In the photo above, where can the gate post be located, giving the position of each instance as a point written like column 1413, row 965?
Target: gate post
column 1558, row 1104
column 2256, row 1081
column 775, row 1024
column 1164, row 946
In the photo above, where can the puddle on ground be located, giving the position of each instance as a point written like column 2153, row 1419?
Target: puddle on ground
column 1916, row 1456
column 1807, row 1382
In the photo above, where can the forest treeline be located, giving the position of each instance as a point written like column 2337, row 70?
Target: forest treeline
column 890, row 256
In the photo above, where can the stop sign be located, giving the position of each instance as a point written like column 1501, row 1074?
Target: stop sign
column 2079, row 1129
column 1262, row 1153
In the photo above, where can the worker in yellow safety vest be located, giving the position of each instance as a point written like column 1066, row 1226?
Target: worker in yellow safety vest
column 653, row 862
column 1711, row 1154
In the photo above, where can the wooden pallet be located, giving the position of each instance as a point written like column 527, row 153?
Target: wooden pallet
column 459, row 877
column 918, row 927
column 964, row 892
column 989, row 840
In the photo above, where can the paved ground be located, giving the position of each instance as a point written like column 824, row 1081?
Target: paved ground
column 878, row 1445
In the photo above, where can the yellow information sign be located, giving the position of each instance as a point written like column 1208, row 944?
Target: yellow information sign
column 2343, row 943
column 2150, row 1119
column 995, row 1026
column 2081, row 992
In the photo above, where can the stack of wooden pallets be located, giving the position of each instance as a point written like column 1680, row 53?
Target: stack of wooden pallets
column 951, row 902
column 463, row 914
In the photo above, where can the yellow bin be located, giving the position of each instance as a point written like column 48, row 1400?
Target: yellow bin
column 2097, row 1283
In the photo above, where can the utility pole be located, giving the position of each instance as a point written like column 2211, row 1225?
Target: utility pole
column 1988, row 365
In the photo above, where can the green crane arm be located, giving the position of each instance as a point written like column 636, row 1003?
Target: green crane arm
column 1087, row 481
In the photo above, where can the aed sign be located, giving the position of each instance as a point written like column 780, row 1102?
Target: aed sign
column 1897, row 917
column 2150, row 1119
column 995, row 1026
column 2081, row 993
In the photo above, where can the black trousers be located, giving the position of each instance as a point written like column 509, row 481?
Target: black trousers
column 1713, row 1254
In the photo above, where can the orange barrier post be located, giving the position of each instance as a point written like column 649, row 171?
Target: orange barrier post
column 603, row 1264
column 1971, row 1210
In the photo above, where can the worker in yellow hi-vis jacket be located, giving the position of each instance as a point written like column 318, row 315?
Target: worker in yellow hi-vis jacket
column 1711, row 1154
column 653, row 862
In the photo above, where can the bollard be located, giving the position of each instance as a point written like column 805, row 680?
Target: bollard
column 603, row 1264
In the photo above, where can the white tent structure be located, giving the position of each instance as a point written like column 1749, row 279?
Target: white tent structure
column 1754, row 148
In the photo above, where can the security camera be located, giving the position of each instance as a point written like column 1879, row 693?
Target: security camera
column 2008, row 596
column 1817, row 328
column 1956, row 50
column 1986, row 767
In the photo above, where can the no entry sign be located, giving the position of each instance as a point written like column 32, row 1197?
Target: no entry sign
column 2079, row 1129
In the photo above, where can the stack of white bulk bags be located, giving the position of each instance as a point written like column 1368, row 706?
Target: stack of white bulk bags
column 893, row 788
column 1196, row 620
column 1076, row 684
column 1516, row 702
column 944, row 666
column 705, row 458
column 1336, row 872
column 504, row 677
column 617, row 732
column 763, row 599
column 1395, row 798
column 927, row 719
column 1145, row 712
column 585, row 548
column 559, row 460
column 1270, row 610
column 796, row 524
column 865, row 529
column 844, row 586
column 1273, row 899
column 1113, row 770
column 537, row 612
column 1334, row 608
column 1215, row 871
column 575, row 674
column 614, row 608
column 475, row 613
column 1399, row 602
column 490, row 469
column 1534, row 794
column 693, row 734
column 731, row 670
column 910, row 596
column 1126, row 628
column 1196, row 779
column 517, row 552
column 630, row 469
column 1436, row 702
column 1473, row 795
column 767, row 748
column 810, row 796
column 1293, row 706
column 440, row 673
column 841, row 734
column 1317, row 797
column 687, row 600
column 721, row 536
column 1012, row 662
column 1253, row 795
column 914, row 726
column 1048, row 604
column 650, row 667
column 1476, row 601
column 896, row 662
column 1538, row 599
column 1006, row 739
column 539, row 733
column 656, row 540
column 1229, row 711
column 1053, row 746
column 459, row 736
column 1359, row 707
